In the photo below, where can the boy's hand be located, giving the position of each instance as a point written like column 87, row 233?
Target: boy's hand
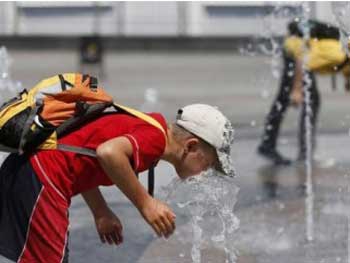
column 159, row 216
column 109, row 227
column 296, row 98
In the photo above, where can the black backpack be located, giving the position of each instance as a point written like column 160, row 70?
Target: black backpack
column 318, row 29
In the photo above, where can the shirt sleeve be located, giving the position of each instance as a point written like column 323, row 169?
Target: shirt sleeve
column 148, row 144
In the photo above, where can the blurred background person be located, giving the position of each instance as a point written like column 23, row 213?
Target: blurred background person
column 324, row 55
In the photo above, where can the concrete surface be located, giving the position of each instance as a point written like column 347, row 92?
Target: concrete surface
column 271, row 200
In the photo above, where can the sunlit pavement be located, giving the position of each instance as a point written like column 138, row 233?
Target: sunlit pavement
column 271, row 199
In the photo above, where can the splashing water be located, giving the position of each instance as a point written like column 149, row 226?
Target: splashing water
column 341, row 11
column 8, row 87
column 4, row 63
column 208, row 201
column 272, row 29
column 152, row 101
column 309, row 201
column 270, row 45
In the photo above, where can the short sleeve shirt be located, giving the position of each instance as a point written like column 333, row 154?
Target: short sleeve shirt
column 72, row 173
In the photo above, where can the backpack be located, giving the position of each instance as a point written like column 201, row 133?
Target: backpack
column 36, row 118
column 319, row 30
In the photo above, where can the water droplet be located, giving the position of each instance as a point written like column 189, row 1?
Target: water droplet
column 278, row 105
column 275, row 73
column 265, row 94
column 280, row 230
column 281, row 206
column 341, row 11
column 284, row 141
column 6, row 83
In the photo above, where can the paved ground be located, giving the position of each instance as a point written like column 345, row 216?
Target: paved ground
column 270, row 207
column 271, row 201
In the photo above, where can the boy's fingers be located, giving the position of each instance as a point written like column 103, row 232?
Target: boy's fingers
column 102, row 238
column 168, row 225
column 171, row 218
column 115, row 238
column 119, row 226
column 162, row 227
column 119, row 233
column 118, row 229
column 109, row 239
column 156, row 229
column 172, row 214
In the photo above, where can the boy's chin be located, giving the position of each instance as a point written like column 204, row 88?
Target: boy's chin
column 185, row 176
column 182, row 175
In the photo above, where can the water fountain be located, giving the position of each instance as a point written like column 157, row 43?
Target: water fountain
column 8, row 87
column 151, row 101
column 307, row 82
column 206, row 204
column 271, row 47
column 317, row 213
column 341, row 11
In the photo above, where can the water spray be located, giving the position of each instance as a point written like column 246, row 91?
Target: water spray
column 307, row 82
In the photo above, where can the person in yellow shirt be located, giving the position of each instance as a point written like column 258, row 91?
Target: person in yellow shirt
column 322, row 53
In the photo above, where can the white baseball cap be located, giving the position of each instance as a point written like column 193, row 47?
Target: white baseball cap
column 209, row 124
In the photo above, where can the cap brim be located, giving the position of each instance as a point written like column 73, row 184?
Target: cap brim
column 225, row 165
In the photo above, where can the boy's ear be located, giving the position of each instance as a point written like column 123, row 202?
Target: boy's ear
column 192, row 144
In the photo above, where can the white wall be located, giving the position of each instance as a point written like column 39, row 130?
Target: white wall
column 66, row 18
column 7, row 18
column 211, row 18
column 151, row 18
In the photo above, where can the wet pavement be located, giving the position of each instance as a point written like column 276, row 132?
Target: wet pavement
column 271, row 209
column 271, row 201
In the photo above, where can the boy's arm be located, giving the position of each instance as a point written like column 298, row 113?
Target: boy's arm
column 107, row 223
column 95, row 201
column 114, row 157
column 297, row 88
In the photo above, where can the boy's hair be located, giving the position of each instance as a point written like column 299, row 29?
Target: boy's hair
column 180, row 134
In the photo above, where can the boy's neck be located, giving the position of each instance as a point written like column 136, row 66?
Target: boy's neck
column 172, row 149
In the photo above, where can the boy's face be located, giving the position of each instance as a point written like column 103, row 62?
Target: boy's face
column 196, row 158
